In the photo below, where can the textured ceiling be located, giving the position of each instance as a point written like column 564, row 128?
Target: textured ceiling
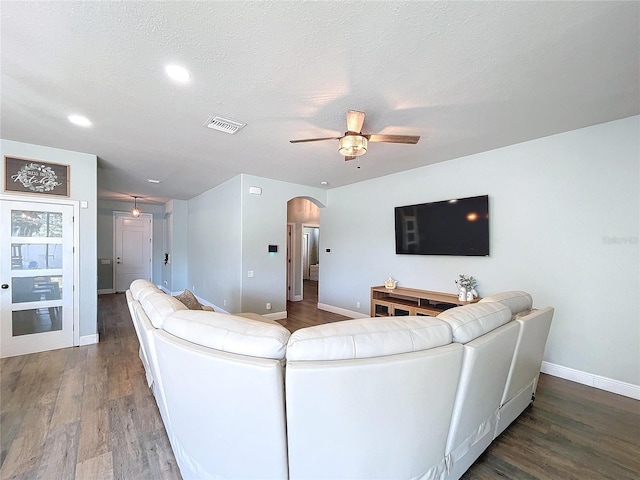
column 466, row 76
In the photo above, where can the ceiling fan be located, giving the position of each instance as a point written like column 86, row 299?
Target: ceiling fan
column 354, row 143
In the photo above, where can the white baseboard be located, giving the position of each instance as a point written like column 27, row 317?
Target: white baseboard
column 106, row 291
column 276, row 315
column 89, row 339
column 341, row 311
column 603, row 383
column 297, row 298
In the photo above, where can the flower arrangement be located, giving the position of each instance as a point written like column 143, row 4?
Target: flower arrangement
column 466, row 288
column 468, row 283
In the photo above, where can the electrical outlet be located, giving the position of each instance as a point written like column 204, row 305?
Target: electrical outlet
column 224, row 303
column 193, row 289
column 357, row 304
column 250, row 273
column 268, row 306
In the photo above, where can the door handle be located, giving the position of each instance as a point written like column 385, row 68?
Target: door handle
column 4, row 286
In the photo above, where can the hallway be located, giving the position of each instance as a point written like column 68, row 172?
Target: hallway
column 306, row 313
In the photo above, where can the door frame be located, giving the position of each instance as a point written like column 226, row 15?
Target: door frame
column 117, row 213
column 76, row 250
column 303, row 249
column 291, row 235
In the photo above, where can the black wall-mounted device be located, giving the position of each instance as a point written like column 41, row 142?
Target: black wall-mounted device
column 273, row 248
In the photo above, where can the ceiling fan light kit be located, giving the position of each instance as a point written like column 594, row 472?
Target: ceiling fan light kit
column 353, row 145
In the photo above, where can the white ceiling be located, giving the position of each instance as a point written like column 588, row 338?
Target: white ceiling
column 466, row 76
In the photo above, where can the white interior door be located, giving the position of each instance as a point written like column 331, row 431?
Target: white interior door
column 133, row 241
column 36, row 275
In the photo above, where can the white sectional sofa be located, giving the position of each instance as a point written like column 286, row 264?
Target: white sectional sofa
column 395, row 397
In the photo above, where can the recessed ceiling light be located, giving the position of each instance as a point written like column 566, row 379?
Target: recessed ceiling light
column 178, row 73
column 324, row 182
column 151, row 180
column 79, row 120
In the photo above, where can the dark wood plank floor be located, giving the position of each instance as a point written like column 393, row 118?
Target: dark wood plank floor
column 305, row 313
column 87, row 413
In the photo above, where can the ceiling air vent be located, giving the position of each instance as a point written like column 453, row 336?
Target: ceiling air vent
column 224, row 125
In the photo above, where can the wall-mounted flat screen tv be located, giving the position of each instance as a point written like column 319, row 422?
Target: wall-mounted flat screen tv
column 451, row 227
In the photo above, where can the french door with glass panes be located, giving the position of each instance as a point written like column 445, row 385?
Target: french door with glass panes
column 36, row 277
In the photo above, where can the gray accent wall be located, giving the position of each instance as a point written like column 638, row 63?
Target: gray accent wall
column 83, row 187
column 564, row 218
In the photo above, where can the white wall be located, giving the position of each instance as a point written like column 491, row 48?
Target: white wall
column 230, row 230
column 564, row 216
column 215, row 245
column 175, row 243
column 82, row 186
column 264, row 223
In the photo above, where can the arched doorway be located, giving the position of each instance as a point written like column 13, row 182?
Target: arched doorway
column 303, row 247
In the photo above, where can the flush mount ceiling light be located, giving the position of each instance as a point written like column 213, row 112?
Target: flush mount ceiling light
column 353, row 145
column 135, row 211
column 178, row 73
column 79, row 120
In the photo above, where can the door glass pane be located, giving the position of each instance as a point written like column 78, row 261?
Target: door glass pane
column 34, row 289
column 36, row 256
column 37, row 320
column 36, row 224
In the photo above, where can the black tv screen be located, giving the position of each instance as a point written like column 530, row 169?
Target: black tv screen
column 451, row 227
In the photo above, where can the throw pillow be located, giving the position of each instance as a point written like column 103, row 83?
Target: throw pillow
column 189, row 300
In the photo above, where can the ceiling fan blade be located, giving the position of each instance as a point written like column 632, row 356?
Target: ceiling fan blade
column 349, row 158
column 314, row 139
column 355, row 120
column 375, row 137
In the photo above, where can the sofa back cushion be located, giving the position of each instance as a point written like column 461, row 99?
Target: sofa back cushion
column 519, row 302
column 371, row 398
column 138, row 285
column 228, row 333
column 367, row 338
column 226, row 411
column 527, row 359
column 472, row 321
column 158, row 305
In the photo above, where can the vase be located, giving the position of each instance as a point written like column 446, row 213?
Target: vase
column 470, row 296
column 462, row 295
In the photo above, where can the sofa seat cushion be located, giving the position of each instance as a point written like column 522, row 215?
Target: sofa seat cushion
column 158, row 305
column 229, row 333
column 518, row 301
column 139, row 285
column 471, row 321
column 367, row 338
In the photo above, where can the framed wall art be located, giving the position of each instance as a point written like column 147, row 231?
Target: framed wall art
column 24, row 175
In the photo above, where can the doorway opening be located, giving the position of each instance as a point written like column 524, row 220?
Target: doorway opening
column 133, row 247
column 303, row 249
